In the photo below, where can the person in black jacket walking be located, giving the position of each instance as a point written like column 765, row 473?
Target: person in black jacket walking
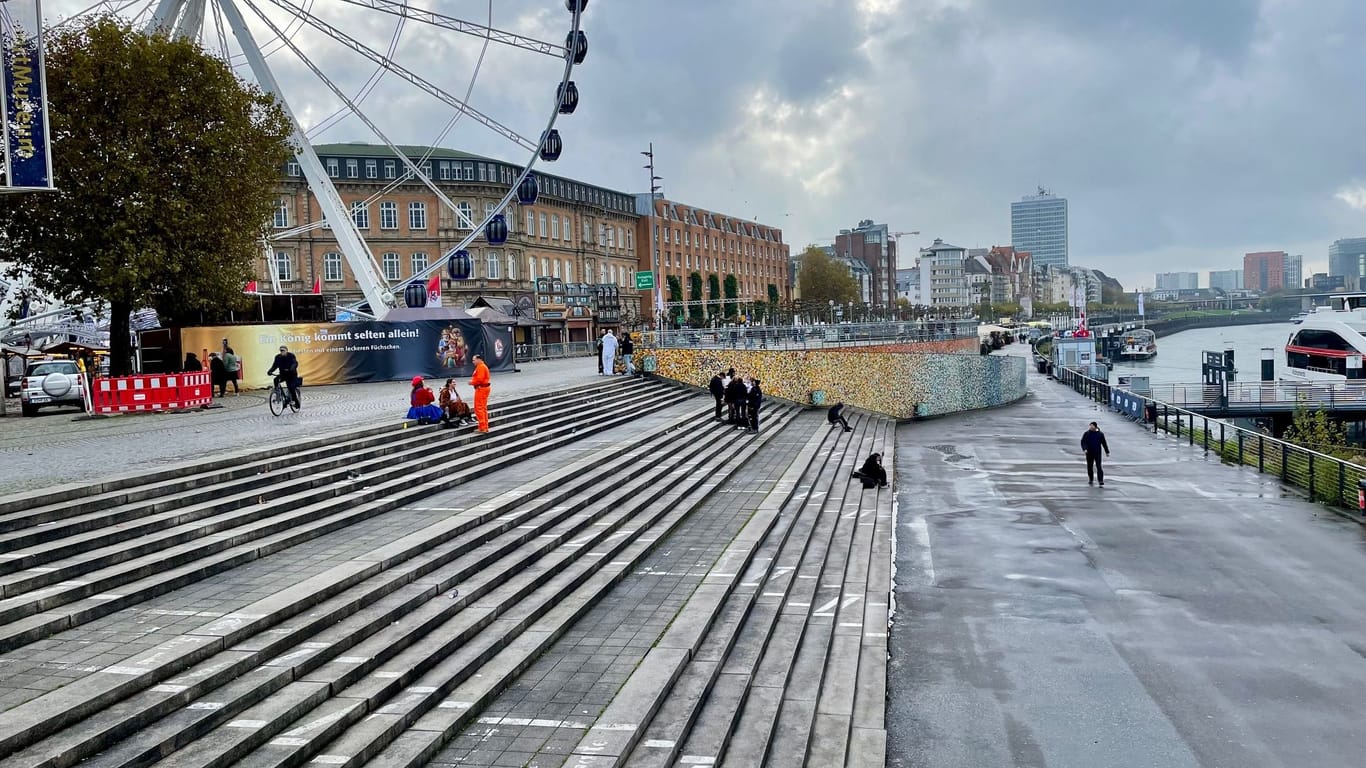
column 717, row 388
column 753, row 400
column 1092, row 443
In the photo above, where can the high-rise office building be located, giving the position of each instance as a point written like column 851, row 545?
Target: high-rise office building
column 1294, row 271
column 874, row 245
column 1038, row 224
column 1347, row 257
column 1178, row 281
column 1264, row 270
column 1226, row 279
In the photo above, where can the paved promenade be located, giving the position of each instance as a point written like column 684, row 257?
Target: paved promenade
column 1186, row 614
column 56, row 447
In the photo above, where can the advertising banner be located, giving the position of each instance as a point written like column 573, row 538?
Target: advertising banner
column 23, row 96
column 353, row 353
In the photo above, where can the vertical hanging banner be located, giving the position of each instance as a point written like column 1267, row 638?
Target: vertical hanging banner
column 23, row 97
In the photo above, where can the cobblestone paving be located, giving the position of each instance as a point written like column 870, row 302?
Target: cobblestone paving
column 539, row 719
column 56, row 447
column 28, row 672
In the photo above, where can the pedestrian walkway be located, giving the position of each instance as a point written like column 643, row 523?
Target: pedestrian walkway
column 55, row 447
column 1189, row 613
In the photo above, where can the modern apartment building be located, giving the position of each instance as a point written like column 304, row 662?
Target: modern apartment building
column 943, row 280
column 1038, row 224
column 873, row 245
column 1264, row 270
column 1347, row 257
column 1293, row 271
column 575, row 232
column 689, row 240
column 1226, row 279
column 1177, row 281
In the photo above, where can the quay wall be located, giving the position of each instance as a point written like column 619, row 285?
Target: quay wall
column 888, row 379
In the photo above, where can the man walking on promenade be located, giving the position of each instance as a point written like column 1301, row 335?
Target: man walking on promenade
column 480, row 382
column 1093, row 442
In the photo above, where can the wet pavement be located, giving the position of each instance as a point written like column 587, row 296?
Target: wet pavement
column 1187, row 614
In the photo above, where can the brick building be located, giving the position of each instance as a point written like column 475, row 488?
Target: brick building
column 873, row 245
column 577, row 234
column 693, row 240
column 1264, row 271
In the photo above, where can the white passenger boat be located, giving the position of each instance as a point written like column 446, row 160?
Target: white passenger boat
column 1328, row 342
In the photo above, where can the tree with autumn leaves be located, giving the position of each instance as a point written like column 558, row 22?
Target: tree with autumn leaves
column 165, row 164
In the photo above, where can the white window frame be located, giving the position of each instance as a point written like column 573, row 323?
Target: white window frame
column 388, row 215
column 418, row 261
column 512, row 266
column 417, row 216
column 391, row 169
column 494, row 269
column 371, row 169
column 281, row 213
column 568, row 229
column 360, row 214
column 443, row 170
column 333, row 167
column 554, row 226
column 292, row 168
column 530, row 223
column 284, row 265
column 332, row 267
column 352, row 169
column 544, row 228
column 391, row 266
column 468, row 210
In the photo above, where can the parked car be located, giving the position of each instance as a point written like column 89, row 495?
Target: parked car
column 51, row 382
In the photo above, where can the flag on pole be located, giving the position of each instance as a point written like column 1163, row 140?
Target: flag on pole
column 434, row 291
column 317, row 285
column 1140, row 305
column 250, row 288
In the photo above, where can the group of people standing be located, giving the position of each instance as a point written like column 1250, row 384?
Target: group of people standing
column 224, row 369
column 609, row 346
column 743, row 397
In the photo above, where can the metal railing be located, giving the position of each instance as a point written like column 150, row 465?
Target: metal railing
column 1263, row 393
column 1327, row 479
column 813, row 336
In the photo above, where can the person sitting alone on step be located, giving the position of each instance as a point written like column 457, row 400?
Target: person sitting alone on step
column 872, row 473
column 454, row 409
column 836, row 416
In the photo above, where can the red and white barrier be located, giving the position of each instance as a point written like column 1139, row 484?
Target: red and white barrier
column 152, row 392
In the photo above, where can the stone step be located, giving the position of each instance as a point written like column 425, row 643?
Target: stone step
column 813, row 721
column 563, row 579
column 150, row 575
column 792, row 599
column 356, row 619
column 444, row 714
column 118, row 516
column 46, row 505
column 690, row 647
column 93, row 573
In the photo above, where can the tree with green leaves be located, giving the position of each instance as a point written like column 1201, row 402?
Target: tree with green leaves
column 732, row 293
column 823, row 279
column 713, row 295
column 166, row 165
column 1315, row 430
column 773, row 295
column 696, row 312
column 674, row 284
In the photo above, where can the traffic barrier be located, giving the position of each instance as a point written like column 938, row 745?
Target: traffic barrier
column 152, row 392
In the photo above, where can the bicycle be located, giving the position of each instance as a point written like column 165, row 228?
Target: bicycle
column 279, row 399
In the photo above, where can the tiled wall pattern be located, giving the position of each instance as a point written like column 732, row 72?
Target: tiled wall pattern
column 890, row 382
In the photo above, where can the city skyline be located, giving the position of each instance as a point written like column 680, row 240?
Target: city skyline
column 812, row 116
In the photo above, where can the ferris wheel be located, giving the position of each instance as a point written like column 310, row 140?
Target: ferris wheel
column 324, row 60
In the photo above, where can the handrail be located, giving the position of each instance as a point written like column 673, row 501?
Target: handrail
column 1327, row 478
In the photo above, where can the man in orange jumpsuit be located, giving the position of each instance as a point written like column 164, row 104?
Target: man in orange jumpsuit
column 480, row 382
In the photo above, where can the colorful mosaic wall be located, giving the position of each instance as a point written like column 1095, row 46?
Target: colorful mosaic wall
column 890, row 382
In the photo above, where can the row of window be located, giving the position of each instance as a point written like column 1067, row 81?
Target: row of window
column 468, row 170
column 710, row 242
column 688, row 261
column 490, row 267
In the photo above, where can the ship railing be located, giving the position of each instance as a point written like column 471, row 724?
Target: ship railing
column 1328, row 474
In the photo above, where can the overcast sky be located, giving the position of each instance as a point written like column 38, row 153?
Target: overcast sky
column 1182, row 132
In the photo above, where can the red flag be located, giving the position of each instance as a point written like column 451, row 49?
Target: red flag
column 434, row 291
column 251, row 287
column 317, row 285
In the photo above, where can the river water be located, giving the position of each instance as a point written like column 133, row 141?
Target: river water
column 1179, row 355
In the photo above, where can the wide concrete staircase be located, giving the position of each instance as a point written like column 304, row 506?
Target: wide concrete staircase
column 386, row 655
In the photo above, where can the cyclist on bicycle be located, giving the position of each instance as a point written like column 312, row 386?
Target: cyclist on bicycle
column 288, row 366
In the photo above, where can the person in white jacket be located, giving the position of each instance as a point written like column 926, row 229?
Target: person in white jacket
column 609, row 352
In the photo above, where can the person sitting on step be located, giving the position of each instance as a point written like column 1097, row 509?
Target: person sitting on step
column 873, row 474
column 422, row 404
column 836, row 416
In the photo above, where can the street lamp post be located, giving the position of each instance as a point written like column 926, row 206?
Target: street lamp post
column 654, row 241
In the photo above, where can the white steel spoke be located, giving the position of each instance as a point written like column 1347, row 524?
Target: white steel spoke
column 460, row 25
column 406, row 74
